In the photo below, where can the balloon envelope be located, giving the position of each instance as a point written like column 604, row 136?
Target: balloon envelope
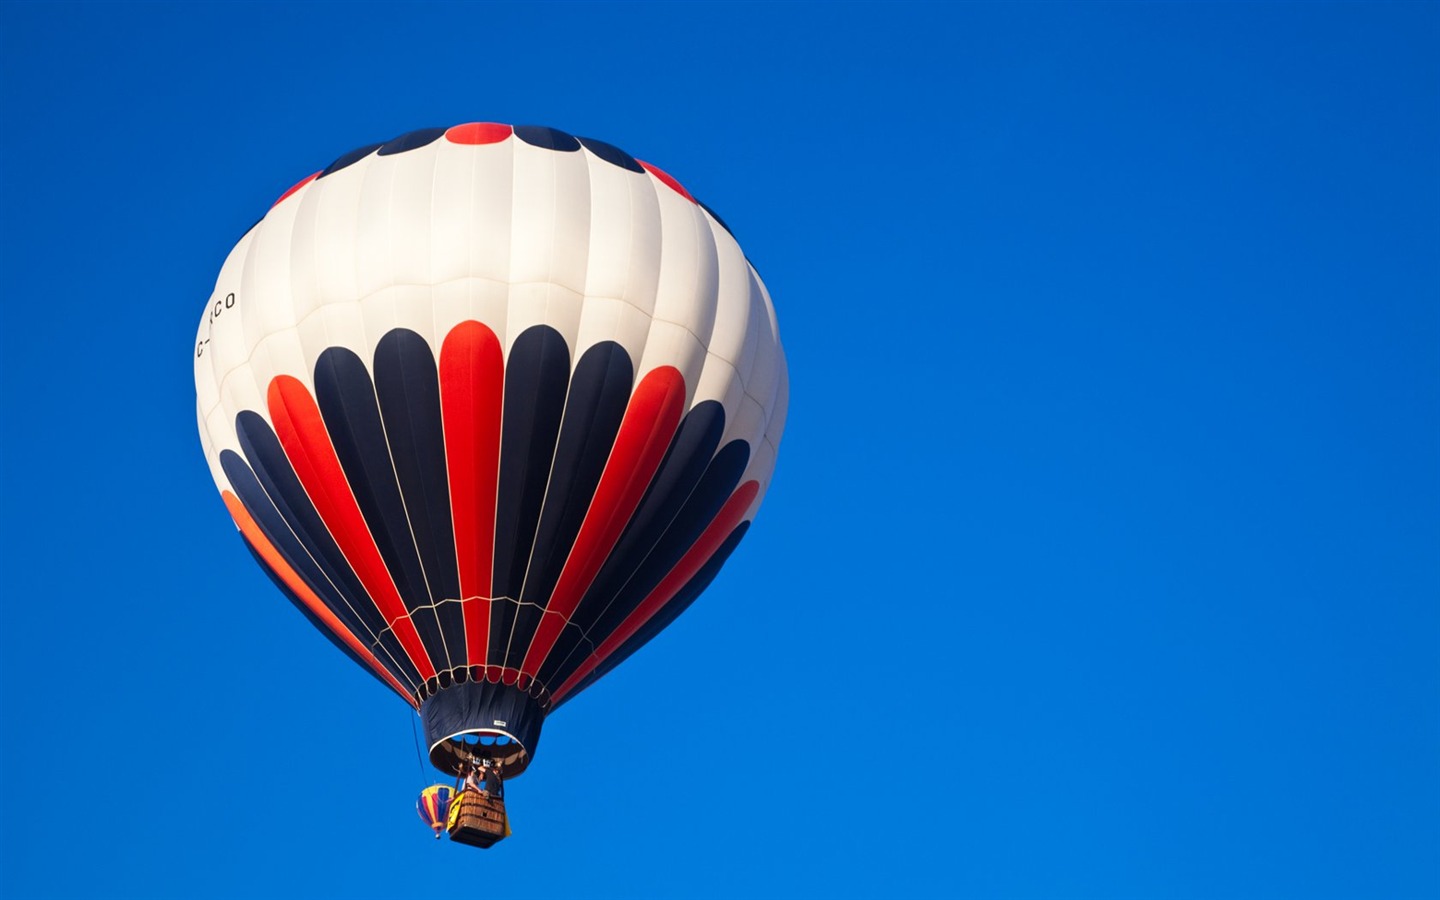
column 434, row 806
column 491, row 406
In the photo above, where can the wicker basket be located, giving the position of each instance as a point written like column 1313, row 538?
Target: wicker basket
column 479, row 820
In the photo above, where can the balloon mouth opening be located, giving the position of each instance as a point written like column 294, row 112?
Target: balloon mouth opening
column 457, row 752
column 473, row 722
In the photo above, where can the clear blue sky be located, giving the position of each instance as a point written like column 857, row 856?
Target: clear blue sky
column 1102, row 558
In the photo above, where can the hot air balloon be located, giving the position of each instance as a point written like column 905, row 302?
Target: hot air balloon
column 434, row 806
column 491, row 405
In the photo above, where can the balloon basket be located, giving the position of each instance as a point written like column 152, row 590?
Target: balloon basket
column 479, row 821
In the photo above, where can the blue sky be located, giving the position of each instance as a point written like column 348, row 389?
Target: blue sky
column 1103, row 554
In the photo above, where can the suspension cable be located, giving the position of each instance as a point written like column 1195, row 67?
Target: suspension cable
column 419, row 760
